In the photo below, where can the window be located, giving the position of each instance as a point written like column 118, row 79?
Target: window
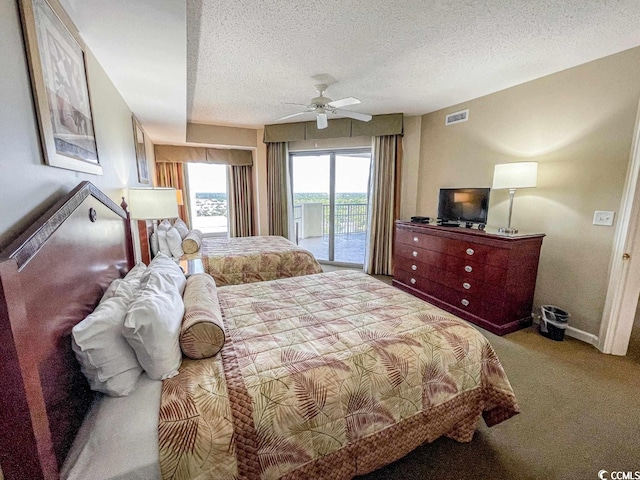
column 208, row 198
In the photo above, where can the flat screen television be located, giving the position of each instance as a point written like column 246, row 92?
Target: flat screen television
column 464, row 204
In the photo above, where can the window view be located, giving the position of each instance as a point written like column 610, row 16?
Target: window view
column 330, row 203
column 208, row 198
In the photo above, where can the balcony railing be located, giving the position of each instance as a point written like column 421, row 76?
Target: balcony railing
column 312, row 222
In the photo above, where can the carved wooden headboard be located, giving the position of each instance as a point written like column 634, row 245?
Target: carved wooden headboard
column 51, row 277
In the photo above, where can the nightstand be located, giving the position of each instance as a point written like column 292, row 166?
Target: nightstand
column 191, row 267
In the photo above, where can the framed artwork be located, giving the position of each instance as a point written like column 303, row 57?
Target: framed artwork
column 60, row 88
column 141, row 154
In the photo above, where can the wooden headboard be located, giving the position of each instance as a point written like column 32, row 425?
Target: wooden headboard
column 51, row 277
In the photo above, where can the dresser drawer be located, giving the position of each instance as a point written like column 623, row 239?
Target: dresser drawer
column 466, row 301
column 492, row 312
column 417, row 254
column 466, row 249
column 419, row 239
column 489, row 293
column 475, row 270
column 480, row 253
column 471, row 268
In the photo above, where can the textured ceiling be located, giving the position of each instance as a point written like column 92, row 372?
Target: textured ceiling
column 245, row 58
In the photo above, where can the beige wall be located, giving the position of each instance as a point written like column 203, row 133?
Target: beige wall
column 578, row 125
column 410, row 166
column 28, row 186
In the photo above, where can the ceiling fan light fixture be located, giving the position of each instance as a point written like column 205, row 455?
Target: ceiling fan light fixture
column 322, row 105
column 321, row 121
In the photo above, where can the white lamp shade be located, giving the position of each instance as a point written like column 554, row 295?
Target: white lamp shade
column 515, row 175
column 152, row 203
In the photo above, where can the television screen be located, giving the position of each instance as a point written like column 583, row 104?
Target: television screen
column 464, row 204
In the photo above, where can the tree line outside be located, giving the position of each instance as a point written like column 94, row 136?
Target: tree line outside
column 210, row 204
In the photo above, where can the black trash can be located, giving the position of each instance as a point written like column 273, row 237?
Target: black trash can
column 553, row 322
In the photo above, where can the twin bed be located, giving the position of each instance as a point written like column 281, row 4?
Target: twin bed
column 320, row 376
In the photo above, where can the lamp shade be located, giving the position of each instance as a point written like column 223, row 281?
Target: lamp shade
column 152, row 203
column 515, row 175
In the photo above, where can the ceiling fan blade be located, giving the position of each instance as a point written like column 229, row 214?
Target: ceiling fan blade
column 363, row 117
column 344, row 102
column 290, row 116
column 321, row 121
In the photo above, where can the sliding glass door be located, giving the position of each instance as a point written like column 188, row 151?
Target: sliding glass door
column 330, row 191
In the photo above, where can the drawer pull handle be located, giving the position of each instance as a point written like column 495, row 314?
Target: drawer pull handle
column 413, row 281
column 413, row 267
column 415, row 239
column 414, row 253
column 468, row 269
column 464, row 302
column 466, row 285
column 470, row 251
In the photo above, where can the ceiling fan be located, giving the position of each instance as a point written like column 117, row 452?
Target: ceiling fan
column 322, row 106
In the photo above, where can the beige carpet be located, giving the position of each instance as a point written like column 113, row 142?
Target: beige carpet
column 580, row 414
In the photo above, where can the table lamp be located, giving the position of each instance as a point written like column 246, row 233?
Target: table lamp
column 514, row 176
column 151, row 204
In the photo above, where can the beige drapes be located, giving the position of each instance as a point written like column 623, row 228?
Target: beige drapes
column 384, row 194
column 277, row 190
column 241, row 210
column 171, row 174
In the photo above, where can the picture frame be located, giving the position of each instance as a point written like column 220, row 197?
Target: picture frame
column 57, row 65
column 141, row 153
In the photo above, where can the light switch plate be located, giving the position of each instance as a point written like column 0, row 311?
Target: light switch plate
column 604, row 218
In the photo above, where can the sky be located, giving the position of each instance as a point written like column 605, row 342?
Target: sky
column 208, row 178
column 311, row 174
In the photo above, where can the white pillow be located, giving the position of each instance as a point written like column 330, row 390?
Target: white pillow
column 153, row 243
column 163, row 246
column 168, row 269
column 130, row 283
column 181, row 227
column 174, row 240
column 164, row 225
column 152, row 325
column 105, row 356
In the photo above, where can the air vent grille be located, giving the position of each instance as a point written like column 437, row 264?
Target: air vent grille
column 456, row 117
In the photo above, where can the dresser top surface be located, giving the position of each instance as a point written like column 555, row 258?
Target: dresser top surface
column 489, row 233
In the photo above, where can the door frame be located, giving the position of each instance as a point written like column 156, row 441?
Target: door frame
column 331, row 153
column 624, row 280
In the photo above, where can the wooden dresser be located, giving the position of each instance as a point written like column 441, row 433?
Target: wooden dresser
column 487, row 279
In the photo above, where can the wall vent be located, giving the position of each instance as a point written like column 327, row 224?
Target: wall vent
column 457, row 117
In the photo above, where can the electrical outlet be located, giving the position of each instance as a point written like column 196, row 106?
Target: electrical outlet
column 603, row 218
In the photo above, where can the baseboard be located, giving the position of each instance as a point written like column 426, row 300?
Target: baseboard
column 582, row 335
column 573, row 332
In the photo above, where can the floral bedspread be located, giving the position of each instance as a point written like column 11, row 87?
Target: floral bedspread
column 231, row 261
column 327, row 376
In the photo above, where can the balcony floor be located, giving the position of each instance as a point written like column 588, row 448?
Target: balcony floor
column 348, row 248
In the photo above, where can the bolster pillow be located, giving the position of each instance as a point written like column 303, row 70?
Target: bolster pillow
column 192, row 242
column 202, row 332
